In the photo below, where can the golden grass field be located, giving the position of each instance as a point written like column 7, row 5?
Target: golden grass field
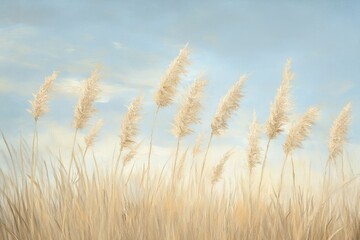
column 60, row 197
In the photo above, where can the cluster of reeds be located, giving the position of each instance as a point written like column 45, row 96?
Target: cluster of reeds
column 102, row 207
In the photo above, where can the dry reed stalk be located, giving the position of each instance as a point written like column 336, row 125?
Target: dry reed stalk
column 253, row 154
column 166, row 92
column 219, row 168
column 129, row 127
column 227, row 106
column 278, row 113
column 338, row 135
column 188, row 113
column 84, row 108
column 39, row 108
column 89, row 141
column 297, row 134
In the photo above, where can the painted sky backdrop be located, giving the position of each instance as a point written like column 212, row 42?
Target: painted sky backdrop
column 134, row 41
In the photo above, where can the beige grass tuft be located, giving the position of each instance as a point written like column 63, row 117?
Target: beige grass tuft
column 90, row 138
column 189, row 111
column 282, row 105
column 227, row 106
column 168, row 86
column 89, row 94
column 39, row 104
column 339, row 131
column 219, row 168
column 130, row 122
column 253, row 152
column 300, row 130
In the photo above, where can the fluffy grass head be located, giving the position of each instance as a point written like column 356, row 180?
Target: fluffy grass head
column 227, row 106
column 189, row 111
column 300, row 130
column 339, row 131
column 166, row 92
column 282, row 104
column 39, row 104
column 130, row 122
column 89, row 93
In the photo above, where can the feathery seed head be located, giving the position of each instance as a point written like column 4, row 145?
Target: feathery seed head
column 39, row 104
column 89, row 93
column 253, row 152
column 130, row 122
column 169, row 83
column 282, row 105
column 300, row 130
column 339, row 131
column 219, row 168
column 90, row 138
column 197, row 147
column 131, row 154
column 227, row 106
column 189, row 110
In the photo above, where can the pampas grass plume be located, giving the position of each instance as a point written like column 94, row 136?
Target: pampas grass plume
column 168, row 86
column 253, row 152
column 39, row 104
column 89, row 94
column 339, row 131
column 282, row 105
column 130, row 122
column 219, row 168
column 189, row 110
column 300, row 130
column 229, row 104
column 90, row 138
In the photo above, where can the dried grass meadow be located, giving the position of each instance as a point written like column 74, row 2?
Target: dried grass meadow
column 47, row 198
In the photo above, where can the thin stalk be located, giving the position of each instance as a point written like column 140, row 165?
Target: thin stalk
column 293, row 173
column 33, row 151
column 263, row 166
column 282, row 175
column 84, row 163
column 73, row 150
column 118, row 162
column 205, row 157
column 151, row 138
column 176, row 157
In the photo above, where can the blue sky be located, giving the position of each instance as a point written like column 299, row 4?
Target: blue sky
column 134, row 41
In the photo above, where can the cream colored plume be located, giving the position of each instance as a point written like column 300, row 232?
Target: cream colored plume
column 339, row 131
column 189, row 111
column 130, row 122
column 131, row 154
column 219, row 168
column 39, row 104
column 300, row 130
column 227, row 106
column 168, row 86
column 282, row 105
column 197, row 146
column 253, row 152
column 84, row 108
column 90, row 138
